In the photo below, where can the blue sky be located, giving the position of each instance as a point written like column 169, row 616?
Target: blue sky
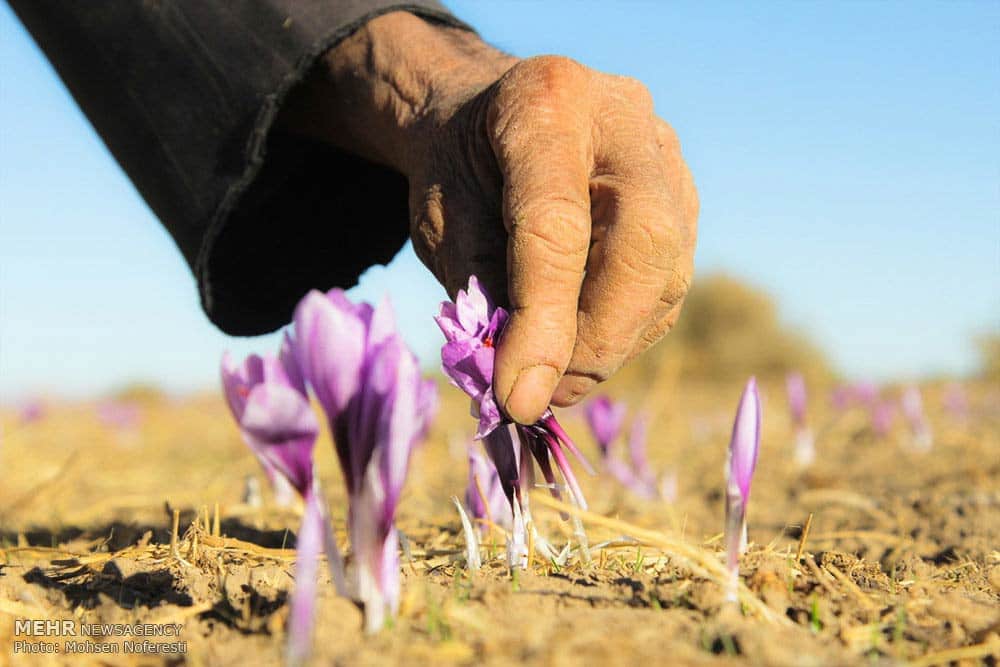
column 847, row 157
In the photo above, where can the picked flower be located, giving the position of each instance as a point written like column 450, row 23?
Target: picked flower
column 378, row 407
column 266, row 396
column 805, row 446
column 744, row 446
column 472, row 326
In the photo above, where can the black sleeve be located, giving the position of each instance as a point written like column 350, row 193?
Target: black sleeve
column 184, row 93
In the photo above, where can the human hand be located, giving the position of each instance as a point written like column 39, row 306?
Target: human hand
column 555, row 184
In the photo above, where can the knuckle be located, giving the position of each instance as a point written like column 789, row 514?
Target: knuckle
column 549, row 253
column 667, row 137
column 555, row 73
column 676, row 289
column 427, row 228
column 643, row 264
column 655, row 232
column 636, row 92
column 544, row 87
column 554, row 223
column 655, row 333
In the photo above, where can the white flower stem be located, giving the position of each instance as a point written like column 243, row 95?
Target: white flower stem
column 735, row 539
column 472, row 559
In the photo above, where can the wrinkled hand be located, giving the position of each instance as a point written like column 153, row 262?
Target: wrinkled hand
column 557, row 185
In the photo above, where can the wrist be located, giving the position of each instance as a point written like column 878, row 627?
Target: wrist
column 379, row 92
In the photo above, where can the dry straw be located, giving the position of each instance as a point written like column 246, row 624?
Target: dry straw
column 699, row 560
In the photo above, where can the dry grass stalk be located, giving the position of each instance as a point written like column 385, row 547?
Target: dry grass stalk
column 847, row 499
column 803, row 538
column 822, row 577
column 697, row 559
column 851, row 587
column 975, row 652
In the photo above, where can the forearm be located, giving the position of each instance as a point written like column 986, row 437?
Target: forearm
column 377, row 92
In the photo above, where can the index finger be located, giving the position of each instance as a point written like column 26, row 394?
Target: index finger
column 546, row 167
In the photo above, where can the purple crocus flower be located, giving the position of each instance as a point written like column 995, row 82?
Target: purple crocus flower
column 840, row 397
column 266, row 396
column 956, row 403
column 507, row 459
column 865, row 393
column 378, row 407
column 119, row 415
column 472, row 326
column 795, row 385
column 237, row 383
column 605, row 418
column 805, row 449
column 742, row 461
column 912, row 405
column 856, row 394
column 483, row 477
column 640, row 461
column 883, row 413
column 31, row 411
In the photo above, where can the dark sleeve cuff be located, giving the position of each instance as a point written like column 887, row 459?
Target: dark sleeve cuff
column 185, row 94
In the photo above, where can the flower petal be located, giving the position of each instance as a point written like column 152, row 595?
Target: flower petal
column 282, row 427
column 329, row 345
column 745, row 441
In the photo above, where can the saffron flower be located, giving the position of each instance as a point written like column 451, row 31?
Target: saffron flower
column 237, row 383
column 644, row 475
column 606, row 418
column 956, row 403
column 805, row 446
column 742, row 461
column 31, row 411
column 857, row 394
column 912, row 405
column 266, row 396
column 378, row 407
column 119, row 415
column 472, row 326
column 883, row 414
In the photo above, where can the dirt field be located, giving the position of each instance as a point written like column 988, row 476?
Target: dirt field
column 900, row 564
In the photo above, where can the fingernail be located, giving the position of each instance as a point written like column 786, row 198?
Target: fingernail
column 531, row 393
column 571, row 389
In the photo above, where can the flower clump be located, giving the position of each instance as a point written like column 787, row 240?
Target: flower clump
column 353, row 361
column 472, row 326
column 606, row 419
